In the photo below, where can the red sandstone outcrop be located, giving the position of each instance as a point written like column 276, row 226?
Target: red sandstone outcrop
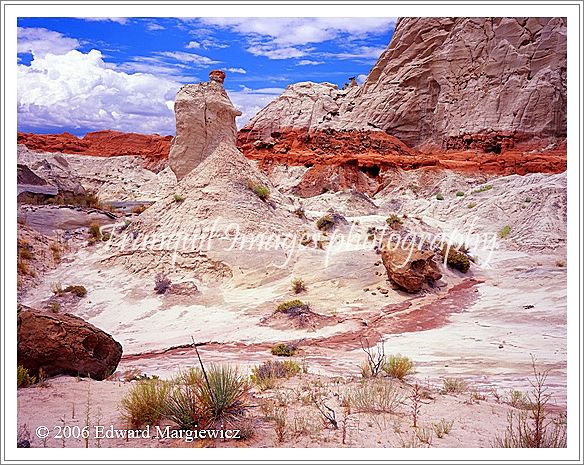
column 153, row 148
column 205, row 117
column 65, row 344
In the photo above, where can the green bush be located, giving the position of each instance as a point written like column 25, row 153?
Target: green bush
column 23, row 377
column 471, row 205
column 178, row 198
column 283, row 350
column 325, row 223
column 289, row 305
column 266, row 374
column 78, row 290
column 456, row 259
column 394, row 221
column 439, row 196
column 182, row 407
column 55, row 306
column 261, row 191
column 94, row 231
column 504, row 232
column 460, row 194
column 398, row 366
column 146, row 402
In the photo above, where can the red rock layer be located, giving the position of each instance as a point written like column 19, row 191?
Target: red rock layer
column 153, row 148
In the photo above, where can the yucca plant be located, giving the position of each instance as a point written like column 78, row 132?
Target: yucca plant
column 222, row 393
column 183, row 408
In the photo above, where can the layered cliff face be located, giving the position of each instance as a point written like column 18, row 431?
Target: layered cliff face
column 205, row 117
column 444, row 83
column 153, row 148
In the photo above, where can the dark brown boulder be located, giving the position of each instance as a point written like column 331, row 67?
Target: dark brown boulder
column 65, row 344
column 410, row 268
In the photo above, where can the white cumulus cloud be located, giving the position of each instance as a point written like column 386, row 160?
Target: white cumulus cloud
column 237, row 70
column 309, row 62
column 79, row 90
column 40, row 41
column 250, row 101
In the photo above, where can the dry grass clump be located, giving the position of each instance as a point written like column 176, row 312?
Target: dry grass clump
column 77, row 290
column 283, row 350
column 398, row 366
column 266, row 375
column 24, row 378
column 454, row 385
column 298, row 285
column 259, row 189
column 505, row 231
column 146, row 402
column 161, row 283
column 442, row 428
column 373, row 396
column 394, row 221
column 325, row 223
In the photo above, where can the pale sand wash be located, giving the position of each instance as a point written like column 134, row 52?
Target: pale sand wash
column 480, row 331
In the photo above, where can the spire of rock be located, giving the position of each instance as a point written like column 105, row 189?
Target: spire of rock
column 205, row 117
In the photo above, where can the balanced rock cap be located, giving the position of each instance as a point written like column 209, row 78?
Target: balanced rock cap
column 217, row 76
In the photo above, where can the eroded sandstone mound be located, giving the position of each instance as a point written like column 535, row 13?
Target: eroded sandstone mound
column 409, row 267
column 205, row 117
column 153, row 148
column 65, row 344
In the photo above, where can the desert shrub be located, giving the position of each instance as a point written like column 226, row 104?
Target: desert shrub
column 439, row 196
column 95, row 231
column 289, row 305
column 300, row 213
column 398, row 366
column 57, row 288
column 505, row 231
column 456, row 259
column 442, row 428
column 560, row 263
column 178, row 198
column 394, row 221
column 78, row 290
column 525, row 430
column 55, row 306
column 222, row 393
column 298, row 285
column 266, row 374
column 486, row 187
column 261, row 191
column 161, row 283
column 24, row 250
column 145, row 403
column 56, row 251
column 325, row 223
column 375, row 360
column 373, row 396
column 23, row 377
column 471, row 205
column 424, row 435
column 454, row 385
column 182, row 407
column 283, row 350
column 460, row 194
column 139, row 209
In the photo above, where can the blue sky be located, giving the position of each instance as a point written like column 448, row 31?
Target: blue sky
column 81, row 74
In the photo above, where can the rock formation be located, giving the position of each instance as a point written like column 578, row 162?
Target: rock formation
column 460, row 83
column 153, row 148
column 205, row 117
column 65, row 344
column 409, row 267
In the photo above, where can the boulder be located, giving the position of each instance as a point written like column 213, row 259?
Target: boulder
column 410, row 268
column 205, row 117
column 65, row 344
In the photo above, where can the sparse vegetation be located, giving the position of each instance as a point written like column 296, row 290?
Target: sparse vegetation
column 178, row 198
column 161, row 283
column 375, row 361
column 424, row 435
column 460, row 194
column 398, row 366
column 56, row 251
column 373, row 396
column 95, row 231
column 77, row 290
column 24, row 378
column 298, row 285
column 485, row 188
column 394, row 221
column 146, row 402
column 259, row 189
column 55, row 306
column 456, row 258
column 325, row 223
column 266, row 374
column 533, row 428
column 285, row 307
column 300, row 213
column 471, row 205
column 439, row 196
column 283, row 350
column 505, row 231
column 560, row 263
column 454, row 385
column 442, row 428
